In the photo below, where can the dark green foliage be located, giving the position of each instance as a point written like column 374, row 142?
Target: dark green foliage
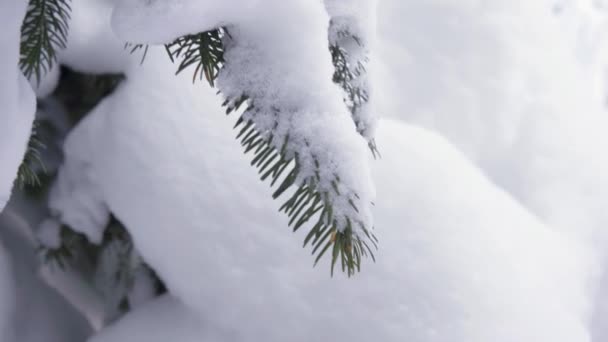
column 346, row 75
column 204, row 52
column 80, row 93
column 73, row 245
column 44, row 31
column 117, row 243
column 307, row 202
column 32, row 162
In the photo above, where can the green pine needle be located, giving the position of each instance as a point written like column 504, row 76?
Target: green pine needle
column 345, row 75
column 133, row 48
column 204, row 52
column 32, row 161
column 44, row 31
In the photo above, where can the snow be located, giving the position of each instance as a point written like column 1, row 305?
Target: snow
column 261, row 50
column 352, row 29
column 17, row 105
column 162, row 21
column 7, row 298
column 143, row 289
column 490, row 193
column 518, row 88
column 90, row 215
column 40, row 313
column 89, row 23
column 47, row 84
column 49, row 234
column 78, row 292
column 303, row 109
column 521, row 90
column 460, row 258
column 163, row 319
column 307, row 107
column 76, row 187
column 16, row 98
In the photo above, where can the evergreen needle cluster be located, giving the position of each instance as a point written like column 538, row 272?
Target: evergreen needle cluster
column 44, row 32
column 204, row 52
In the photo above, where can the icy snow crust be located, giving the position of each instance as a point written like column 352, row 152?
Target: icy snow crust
column 490, row 190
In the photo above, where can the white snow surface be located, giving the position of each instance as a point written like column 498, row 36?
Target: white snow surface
column 49, row 234
column 164, row 319
column 40, row 314
column 17, row 106
column 17, row 101
column 352, row 28
column 77, row 188
column 459, row 258
column 91, row 46
column 491, row 189
column 269, row 59
column 48, row 82
column 520, row 88
column 7, row 297
column 517, row 86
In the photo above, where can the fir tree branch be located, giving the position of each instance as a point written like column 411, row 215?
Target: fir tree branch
column 27, row 174
column 44, row 31
column 349, row 57
column 205, row 52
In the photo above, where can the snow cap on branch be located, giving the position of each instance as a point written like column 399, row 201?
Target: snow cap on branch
column 295, row 120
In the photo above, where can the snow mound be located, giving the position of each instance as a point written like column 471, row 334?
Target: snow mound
column 520, row 88
column 481, row 75
column 164, row 319
column 92, row 47
column 460, row 260
column 40, row 314
column 268, row 59
column 17, row 100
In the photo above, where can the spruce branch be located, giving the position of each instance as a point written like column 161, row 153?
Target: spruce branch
column 44, row 31
column 307, row 202
column 27, row 173
column 349, row 57
column 277, row 162
column 204, row 51
column 73, row 245
column 110, row 266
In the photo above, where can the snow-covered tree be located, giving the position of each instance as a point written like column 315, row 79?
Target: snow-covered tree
column 295, row 127
column 131, row 198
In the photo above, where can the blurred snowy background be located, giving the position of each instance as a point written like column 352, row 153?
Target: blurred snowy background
column 490, row 208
